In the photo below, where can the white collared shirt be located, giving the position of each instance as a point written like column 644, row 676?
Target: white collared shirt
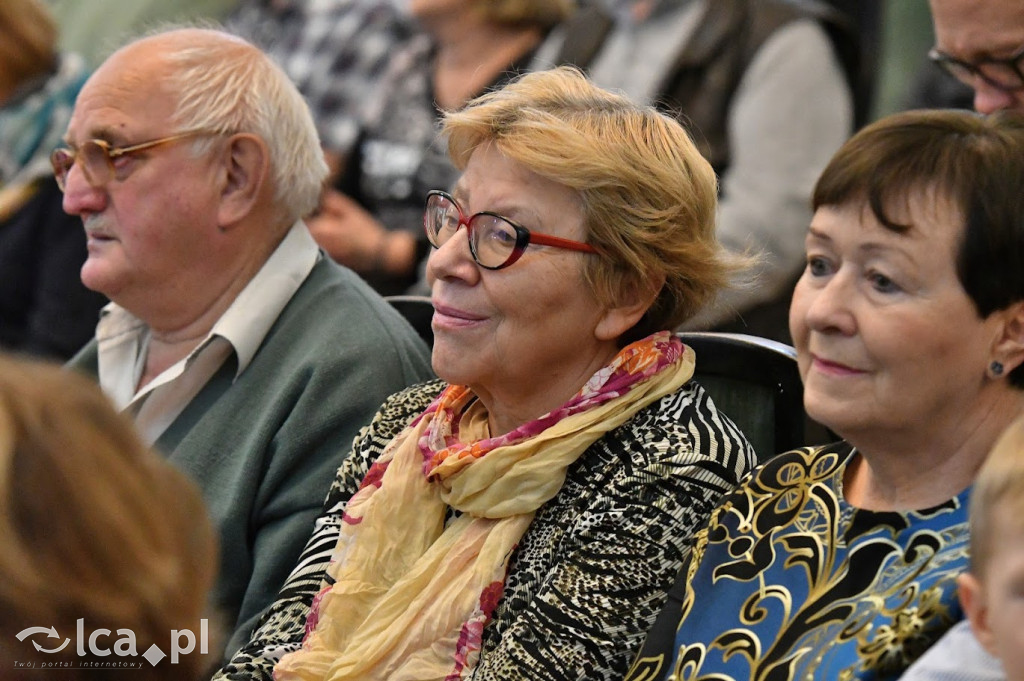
column 123, row 340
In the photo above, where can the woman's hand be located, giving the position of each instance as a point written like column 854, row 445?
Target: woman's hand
column 354, row 238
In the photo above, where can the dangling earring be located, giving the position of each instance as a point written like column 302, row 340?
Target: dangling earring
column 996, row 368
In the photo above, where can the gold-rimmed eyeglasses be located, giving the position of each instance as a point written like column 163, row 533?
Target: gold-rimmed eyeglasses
column 96, row 158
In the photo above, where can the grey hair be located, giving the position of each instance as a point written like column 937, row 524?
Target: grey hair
column 226, row 85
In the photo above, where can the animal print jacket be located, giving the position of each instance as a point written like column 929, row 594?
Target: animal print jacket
column 591, row 572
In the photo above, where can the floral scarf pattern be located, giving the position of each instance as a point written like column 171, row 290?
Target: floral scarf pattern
column 409, row 590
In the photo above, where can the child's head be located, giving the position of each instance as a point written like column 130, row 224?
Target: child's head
column 993, row 592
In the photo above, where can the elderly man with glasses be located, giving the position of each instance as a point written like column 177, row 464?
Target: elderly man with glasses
column 241, row 352
column 981, row 44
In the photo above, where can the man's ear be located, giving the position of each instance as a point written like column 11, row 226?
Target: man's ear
column 972, row 598
column 1008, row 349
column 246, row 168
column 633, row 302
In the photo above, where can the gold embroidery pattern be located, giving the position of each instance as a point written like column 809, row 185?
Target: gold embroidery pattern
column 814, row 588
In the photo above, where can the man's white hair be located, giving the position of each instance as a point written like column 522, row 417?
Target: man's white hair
column 226, row 85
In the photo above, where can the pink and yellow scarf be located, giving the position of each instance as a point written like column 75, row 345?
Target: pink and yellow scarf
column 406, row 596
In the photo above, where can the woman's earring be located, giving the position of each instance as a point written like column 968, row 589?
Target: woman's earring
column 996, row 368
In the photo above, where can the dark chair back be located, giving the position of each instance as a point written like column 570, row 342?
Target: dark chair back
column 755, row 382
column 418, row 311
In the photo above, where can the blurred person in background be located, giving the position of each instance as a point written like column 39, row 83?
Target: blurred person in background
column 465, row 47
column 981, row 44
column 766, row 88
column 44, row 307
column 335, row 51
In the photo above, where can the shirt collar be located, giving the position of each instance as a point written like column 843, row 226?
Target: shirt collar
column 250, row 316
column 248, row 320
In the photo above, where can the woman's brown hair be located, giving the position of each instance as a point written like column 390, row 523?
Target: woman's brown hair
column 93, row 527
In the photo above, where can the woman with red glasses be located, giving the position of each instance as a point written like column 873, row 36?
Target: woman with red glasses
column 522, row 517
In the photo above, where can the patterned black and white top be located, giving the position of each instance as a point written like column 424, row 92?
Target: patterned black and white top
column 591, row 572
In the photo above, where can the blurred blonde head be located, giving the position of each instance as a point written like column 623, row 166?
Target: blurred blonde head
column 93, row 525
column 990, row 591
column 649, row 198
column 998, row 495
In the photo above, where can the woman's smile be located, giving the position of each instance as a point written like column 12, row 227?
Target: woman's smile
column 448, row 317
column 831, row 368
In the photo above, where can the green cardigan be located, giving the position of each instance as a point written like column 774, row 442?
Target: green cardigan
column 264, row 447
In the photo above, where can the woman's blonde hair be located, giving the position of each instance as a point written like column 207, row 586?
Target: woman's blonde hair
column 649, row 198
column 93, row 526
column 543, row 13
column 28, row 40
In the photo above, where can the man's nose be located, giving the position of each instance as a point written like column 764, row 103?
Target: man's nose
column 80, row 197
column 989, row 99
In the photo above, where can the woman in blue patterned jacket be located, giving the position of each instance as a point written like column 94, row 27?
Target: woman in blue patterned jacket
column 840, row 562
column 523, row 518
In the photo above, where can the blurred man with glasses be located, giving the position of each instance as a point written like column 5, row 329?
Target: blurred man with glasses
column 981, row 44
column 241, row 352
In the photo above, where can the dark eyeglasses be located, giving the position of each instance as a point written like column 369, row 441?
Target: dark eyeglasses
column 96, row 158
column 495, row 242
column 1003, row 74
